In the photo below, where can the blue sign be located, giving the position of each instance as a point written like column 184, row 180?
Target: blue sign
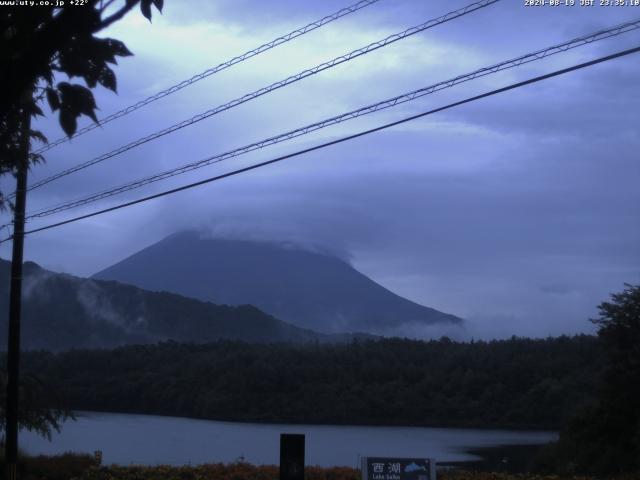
column 385, row 468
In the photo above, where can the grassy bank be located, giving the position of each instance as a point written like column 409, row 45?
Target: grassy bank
column 84, row 467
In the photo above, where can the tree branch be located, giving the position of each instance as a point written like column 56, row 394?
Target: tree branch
column 106, row 5
column 118, row 15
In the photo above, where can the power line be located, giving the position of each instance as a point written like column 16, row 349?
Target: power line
column 340, row 140
column 274, row 86
column 399, row 99
column 218, row 68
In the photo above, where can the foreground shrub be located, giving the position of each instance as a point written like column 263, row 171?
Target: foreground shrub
column 83, row 467
column 244, row 471
column 59, row 467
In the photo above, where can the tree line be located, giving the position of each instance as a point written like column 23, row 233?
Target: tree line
column 515, row 383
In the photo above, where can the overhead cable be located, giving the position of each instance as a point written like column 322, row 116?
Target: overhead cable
column 337, row 141
column 397, row 100
column 274, row 86
column 218, row 68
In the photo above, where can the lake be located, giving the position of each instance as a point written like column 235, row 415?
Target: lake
column 151, row 440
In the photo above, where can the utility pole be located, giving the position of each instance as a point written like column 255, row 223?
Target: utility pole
column 15, row 299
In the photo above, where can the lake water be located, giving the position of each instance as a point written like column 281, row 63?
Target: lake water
column 151, row 440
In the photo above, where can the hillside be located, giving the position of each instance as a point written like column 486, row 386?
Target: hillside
column 516, row 383
column 307, row 288
column 62, row 311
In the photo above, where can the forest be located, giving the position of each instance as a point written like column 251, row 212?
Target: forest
column 515, row 383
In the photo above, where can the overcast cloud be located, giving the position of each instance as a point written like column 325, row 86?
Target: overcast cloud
column 519, row 213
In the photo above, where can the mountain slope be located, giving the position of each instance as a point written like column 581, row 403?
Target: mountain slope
column 308, row 289
column 61, row 312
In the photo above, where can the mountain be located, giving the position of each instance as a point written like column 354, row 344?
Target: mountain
column 62, row 311
column 306, row 288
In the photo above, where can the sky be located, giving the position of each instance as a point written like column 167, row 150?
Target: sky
column 519, row 213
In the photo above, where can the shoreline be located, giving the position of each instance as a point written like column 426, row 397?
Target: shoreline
column 442, row 426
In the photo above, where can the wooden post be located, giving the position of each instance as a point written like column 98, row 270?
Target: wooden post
column 291, row 456
column 15, row 303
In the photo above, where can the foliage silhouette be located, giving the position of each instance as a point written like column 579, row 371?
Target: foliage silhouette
column 38, row 45
column 605, row 438
column 519, row 383
column 42, row 43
